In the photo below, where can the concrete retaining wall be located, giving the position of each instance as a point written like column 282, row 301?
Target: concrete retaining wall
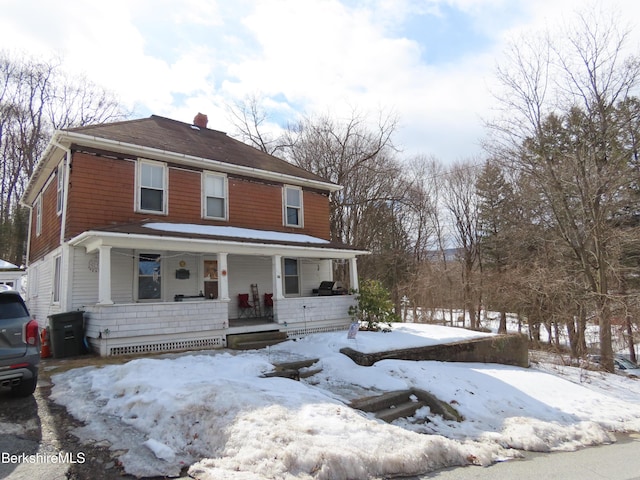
column 505, row 349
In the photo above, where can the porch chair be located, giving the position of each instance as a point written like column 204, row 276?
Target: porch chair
column 268, row 305
column 245, row 309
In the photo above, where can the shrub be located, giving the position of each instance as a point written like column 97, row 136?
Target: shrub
column 374, row 306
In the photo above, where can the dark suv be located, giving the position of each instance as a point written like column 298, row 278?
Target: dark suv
column 19, row 345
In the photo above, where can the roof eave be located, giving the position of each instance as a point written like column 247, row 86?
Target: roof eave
column 69, row 138
column 92, row 240
column 42, row 171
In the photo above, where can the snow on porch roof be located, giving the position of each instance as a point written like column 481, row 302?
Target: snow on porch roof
column 4, row 265
column 234, row 232
column 210, row 238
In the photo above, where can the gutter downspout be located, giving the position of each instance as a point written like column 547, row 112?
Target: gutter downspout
column 28, row 255
column 66, row 169
column 64, row 293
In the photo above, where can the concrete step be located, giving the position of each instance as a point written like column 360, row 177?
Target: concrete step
column 289, row 373
column 298, row 364
column 404, row 403
column 292, row 369
column 406, row 409
column 256, row 344
column 248, row 341
column 381, row 402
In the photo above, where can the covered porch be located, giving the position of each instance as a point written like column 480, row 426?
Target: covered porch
column 151, row 292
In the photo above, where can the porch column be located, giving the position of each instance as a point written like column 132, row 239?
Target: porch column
column 224, row 278
column 353, row 273
column 104, row 275
column 276, row 264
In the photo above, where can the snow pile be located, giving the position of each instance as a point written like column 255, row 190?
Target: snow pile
column 215, row 411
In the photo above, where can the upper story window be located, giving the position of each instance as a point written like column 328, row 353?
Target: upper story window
column 293, row 214
column 60, row 189
column 214, row 201
column 39, row 215
column 57, row 278
column 152, row 186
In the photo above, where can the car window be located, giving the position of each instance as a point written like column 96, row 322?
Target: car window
column 626, row 364
column 11, row 307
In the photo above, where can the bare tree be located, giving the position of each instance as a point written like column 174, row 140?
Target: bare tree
column 564, row 136
column 36, row 97
column 461, row 200
column 250, row 119
column 368, row 211
column 352, row 154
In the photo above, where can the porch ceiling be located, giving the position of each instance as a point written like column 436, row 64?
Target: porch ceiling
column 137, row 236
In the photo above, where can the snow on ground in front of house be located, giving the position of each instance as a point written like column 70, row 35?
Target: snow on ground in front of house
column 215, row 412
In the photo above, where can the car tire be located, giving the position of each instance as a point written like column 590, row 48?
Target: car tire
column 26, row 387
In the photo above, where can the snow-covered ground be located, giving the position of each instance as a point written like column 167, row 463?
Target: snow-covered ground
column 214, row 410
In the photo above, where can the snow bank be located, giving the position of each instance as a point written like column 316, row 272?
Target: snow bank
column 215, row 411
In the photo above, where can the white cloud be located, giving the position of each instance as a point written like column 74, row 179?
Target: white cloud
column 175, row 58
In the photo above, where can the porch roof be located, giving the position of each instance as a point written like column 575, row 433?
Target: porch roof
column 211, row 239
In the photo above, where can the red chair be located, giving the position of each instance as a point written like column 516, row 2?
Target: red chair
column 268, row 305
column 245, row 309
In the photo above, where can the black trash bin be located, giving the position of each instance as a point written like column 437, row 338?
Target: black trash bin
column 66, row 331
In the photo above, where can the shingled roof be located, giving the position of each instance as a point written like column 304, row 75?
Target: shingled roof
column 183, row 138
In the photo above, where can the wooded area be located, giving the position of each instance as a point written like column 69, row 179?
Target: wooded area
column 36, row 98
column 545, row 226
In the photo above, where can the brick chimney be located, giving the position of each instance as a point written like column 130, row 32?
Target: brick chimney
column 200, row 120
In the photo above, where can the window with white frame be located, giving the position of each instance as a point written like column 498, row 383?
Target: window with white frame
column 291, row 277
column 152, row 186
column 39, row 215
column 293, row 206
column 214, row 196
column 60, row 189
column 149, row 276
column 32, row 285
column 57, row 278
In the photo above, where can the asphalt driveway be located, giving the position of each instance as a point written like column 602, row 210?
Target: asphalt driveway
column 36, row 440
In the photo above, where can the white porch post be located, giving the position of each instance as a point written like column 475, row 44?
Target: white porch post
column 224, row 278
column 353, row 273
column 104, row 275
column 276, row 263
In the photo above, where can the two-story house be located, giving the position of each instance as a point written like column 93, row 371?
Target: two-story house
column 171, row 235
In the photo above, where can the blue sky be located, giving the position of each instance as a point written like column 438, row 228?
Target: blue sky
column 430, row 62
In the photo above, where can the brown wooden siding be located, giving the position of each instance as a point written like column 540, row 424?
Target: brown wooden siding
column 102, row 193
column 185, row 202
column 49, row 238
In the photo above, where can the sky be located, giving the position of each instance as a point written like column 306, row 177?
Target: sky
column 215, row 413
column 431, row 63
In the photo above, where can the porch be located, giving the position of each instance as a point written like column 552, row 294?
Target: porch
column 145, row 291
column 155, row 327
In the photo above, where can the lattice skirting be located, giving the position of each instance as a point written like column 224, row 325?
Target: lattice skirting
column 167, row 346
column 300, row 332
